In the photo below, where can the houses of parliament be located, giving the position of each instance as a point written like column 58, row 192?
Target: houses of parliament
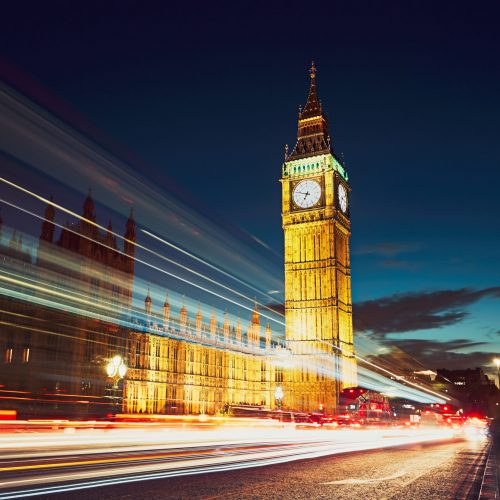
column 69, row 310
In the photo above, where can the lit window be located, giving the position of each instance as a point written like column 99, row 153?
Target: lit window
column 8, row 355
column 26, row 355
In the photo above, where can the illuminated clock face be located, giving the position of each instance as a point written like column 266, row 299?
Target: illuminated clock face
column 342, row 198
column 307, row 193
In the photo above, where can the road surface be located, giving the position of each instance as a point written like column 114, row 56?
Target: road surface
column 274, row 463
column 436, row 471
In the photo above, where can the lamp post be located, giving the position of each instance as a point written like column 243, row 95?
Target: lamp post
column 497, row 363
column 116, row 369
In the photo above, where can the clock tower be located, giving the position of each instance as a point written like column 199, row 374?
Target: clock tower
column 318, row 304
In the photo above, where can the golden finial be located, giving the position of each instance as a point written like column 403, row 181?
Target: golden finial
column 312, row 71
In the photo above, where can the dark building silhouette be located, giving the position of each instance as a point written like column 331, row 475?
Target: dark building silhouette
column 58, row 318
column 474, row 388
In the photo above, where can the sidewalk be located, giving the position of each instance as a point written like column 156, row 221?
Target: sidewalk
column 490, row 487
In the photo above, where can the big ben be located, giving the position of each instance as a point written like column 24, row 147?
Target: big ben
column 318, row 304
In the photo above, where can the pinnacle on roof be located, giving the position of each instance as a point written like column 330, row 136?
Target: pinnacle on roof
column 183, row 303
column 88, row 207
column 130, row 226
column 313, row 104
column 255, row 314
column 313, row 137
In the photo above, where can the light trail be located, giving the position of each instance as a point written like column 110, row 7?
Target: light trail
column 33, row 139
column 137, row 245
column 213, row 342
column 191, row 283
column 287, row 358
column 202, row 261
column 147, row 264
column 381, row 385
column 409, row 382
column 55, row 463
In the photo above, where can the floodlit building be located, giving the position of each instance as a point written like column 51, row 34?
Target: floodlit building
column 316, row 224
column 67, row 310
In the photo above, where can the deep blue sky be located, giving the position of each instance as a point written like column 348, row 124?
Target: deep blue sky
column 208, row 95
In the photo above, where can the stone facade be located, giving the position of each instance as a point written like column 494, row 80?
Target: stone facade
column 318, row 304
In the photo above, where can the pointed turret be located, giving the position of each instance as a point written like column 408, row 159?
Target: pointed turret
column 313, row 104
column 255, row 314
column 110, row 239
column 89, row 207
column 166, row 313
column 129, row 245
column 254, row 328
column 213, row 325
column 183, row 317
column 226, row 327
column 313, row 136
column 86, row 245
column 48, row 228
column 199, row 320
column 268, row 336
column 147, row 303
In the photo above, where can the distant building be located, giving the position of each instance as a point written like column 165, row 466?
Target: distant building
column 54, row 308
column 67, row 310
column 474, row 388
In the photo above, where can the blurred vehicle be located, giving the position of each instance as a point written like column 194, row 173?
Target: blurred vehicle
column 361, row 406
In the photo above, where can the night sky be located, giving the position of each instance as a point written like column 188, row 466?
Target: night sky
column 207, row 95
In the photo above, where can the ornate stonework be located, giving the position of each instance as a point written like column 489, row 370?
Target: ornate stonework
column 318, row 304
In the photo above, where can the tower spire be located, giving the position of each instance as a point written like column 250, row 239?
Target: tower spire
column 129, row 244
column 88, row 207
column 147, row 303
column 313, row 104
column 166, row 313
column 255, row 314
column 313, row 137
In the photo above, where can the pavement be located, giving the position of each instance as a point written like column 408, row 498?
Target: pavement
column 426, row 471
column 490, row 487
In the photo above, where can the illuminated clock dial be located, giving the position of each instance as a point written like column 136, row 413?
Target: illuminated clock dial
column 307, row 193
column 342, row 198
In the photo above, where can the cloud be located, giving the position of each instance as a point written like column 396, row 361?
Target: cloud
column 408, row 312
column 436, row 354
column 387, row 249
column 423, row 354
column 411, row 312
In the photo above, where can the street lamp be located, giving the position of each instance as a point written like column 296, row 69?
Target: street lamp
column 116, row 369
column 497, row 363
